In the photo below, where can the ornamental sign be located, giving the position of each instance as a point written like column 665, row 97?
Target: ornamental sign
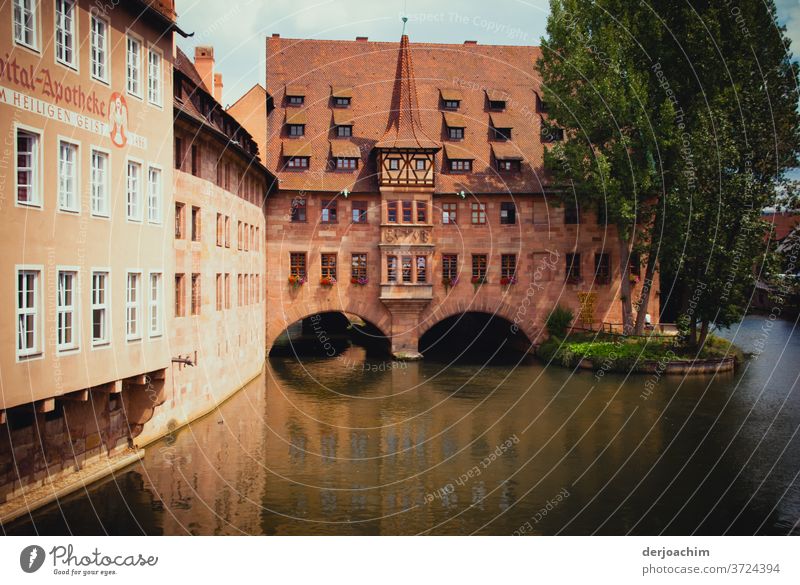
column 407, row 236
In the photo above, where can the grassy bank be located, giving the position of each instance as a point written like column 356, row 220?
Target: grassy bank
column 626, row 354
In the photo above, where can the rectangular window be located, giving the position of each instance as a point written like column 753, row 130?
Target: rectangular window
column 227, row 290
column 25, row 22
column 422, row 269
column 391, row 212
column 240, row 288
column 573, row 268
column 100, row 313
column 220, row 229
column 28, row 170
column 197, row 299
column 359, row 212
column 602, row 268
column 508, row 166
column 328, row 212
column 344, row 131
column 196, row 160
column 391, row 269
column 449, row 213
column 508, row 266
column 68, row 177
column 296, row 130
column 219, row 291
column 132, row 307
column 298, row 210
column 394, row 164
column 479, row 213
column 346, row 164
column 28, row 317
column 297, row 264
column 406, row 267
column 134, row 187
column 179, row 154
column 341, row 102
column 99, row 48
column 180, row 295
column 329, row 266
column 451, row 104
column 297, row 162
column 455, row 133
column 460, row 166
column 358, row 269
column 154, row 189
column 421, row 164
column 479, row 266
column 154, row 91
column 501, row 134
column 65, row 32
column 407, row 207
column 572, row 214
column 134, row 66
column 179, row 210
column 295, row 100
column 508, row 212
column 227, row 231
column 154, row 303
column 497, row 104
column 422, row 212
column 239, row 241
column 99, row 179
column 635, row 263
column 195, row 224
column 449, row 267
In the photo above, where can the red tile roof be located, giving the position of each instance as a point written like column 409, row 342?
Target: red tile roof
column 395, row 100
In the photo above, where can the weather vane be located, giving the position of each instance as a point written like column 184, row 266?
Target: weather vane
column 404, row 18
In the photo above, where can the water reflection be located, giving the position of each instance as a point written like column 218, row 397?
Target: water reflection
column 356, row 445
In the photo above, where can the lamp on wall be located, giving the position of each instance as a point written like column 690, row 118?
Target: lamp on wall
column 461, row 194
column 345, row 193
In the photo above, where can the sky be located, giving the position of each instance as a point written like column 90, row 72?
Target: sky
column 237, row 28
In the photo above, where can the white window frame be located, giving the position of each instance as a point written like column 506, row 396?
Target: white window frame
column 139, row 66
column 19, row 5
column 73, row 206
column 36, row 169
column 105, row 211
column 135, row 304
column 94, row 64
column 101, row 306
column 155, row 200
column 73, row 309
column 72, row 33
column 37, row 351
column 158, row 98
column 138, row 207
column 155, row 306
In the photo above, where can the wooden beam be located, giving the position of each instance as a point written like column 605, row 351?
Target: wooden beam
column 78, row 395
column 114, row 387
column 2, row 417
column 140, row 380
column 46, row 405
column 159, row 374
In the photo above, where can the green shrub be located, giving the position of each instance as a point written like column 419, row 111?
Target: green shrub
column 548, row 350
column 558, row 321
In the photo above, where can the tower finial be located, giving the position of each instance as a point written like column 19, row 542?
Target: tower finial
column 405, row 20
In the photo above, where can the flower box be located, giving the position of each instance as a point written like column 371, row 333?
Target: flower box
column 295, row 280
column 327, row 281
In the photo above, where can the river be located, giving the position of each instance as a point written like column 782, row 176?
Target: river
column 357, row 445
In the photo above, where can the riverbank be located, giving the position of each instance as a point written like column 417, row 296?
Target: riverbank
column 645, row 355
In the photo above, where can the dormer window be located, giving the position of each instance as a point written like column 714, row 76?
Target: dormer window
column 343, row 123
column 341, row 97
column 296, row 124
column 552, row 134
column 346, row 164
column 451, row 98
column 295, row 95
column 460, row 166
column 508, row 158
column 500, row 127
column 541, row 105
column 455, row 133
column 455, row 126
column 297, row 162
column 296, row 155
column 459, row 160
column 496, row 99
column 497, row 105
column 345, row 155
column 508, row 166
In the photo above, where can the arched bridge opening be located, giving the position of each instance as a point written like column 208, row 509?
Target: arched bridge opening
column 329, row 334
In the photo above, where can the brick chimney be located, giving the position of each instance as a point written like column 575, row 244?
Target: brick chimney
column 218, row 87
column 204, row 63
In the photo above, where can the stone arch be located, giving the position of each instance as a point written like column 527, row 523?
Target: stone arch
column 522, row 315
column 282, row 317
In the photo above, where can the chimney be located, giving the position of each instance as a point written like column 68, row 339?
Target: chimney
column 204, row 63
column 470, row 42
column 218, row 87
column 362, row 39
column 276, row 35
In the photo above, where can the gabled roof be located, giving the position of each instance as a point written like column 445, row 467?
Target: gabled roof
column 369, row 69
column 404, row 129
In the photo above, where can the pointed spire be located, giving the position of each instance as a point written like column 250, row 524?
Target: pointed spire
column 404, row 129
